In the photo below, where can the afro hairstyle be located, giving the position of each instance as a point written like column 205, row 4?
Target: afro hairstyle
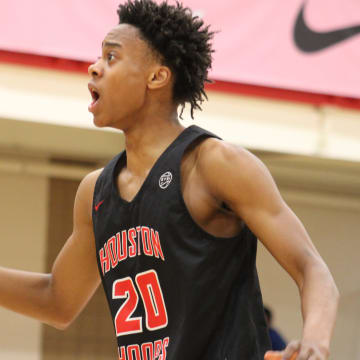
column 182, row 42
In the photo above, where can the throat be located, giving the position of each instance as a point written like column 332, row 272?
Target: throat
column 142, row 152
column 129, row 187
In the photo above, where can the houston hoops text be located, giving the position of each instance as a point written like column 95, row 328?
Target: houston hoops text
column 148, row 351
column 130, row 243
column 141, row 240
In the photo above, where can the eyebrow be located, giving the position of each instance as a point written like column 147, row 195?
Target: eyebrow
column 111, row 44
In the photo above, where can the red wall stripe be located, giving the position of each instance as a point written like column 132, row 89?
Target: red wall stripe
column 55, row 63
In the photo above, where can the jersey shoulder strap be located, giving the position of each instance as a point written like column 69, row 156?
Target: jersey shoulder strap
column 175, row 152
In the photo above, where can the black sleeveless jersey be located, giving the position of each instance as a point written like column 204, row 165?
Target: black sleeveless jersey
column 175, row 291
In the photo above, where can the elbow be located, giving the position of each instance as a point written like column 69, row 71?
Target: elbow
column 60, row 321
column 59, row 324
column 62, row 325
column 57, row 314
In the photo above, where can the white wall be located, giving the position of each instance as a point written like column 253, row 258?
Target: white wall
column 55, row 97
column 23, row 214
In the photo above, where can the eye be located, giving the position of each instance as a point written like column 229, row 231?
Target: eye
column 110, row 57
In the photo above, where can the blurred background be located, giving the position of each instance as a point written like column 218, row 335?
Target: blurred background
column 287, row 87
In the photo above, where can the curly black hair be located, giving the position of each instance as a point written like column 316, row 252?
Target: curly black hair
column 180, row 39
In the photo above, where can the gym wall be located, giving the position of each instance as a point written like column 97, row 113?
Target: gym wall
column 47, row 145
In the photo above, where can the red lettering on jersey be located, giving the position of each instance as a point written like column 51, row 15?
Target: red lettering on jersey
column 165, row 345
column 104, row 259
column 138, row 229
column 121, row 245
column 127, row 243
column 132, row 237
column 113, row 251
column 122, row 355
column 150, row 290
column 145, row 235
column 147, row 351
column 156, row 244
column 157, row 349
column 130, row 351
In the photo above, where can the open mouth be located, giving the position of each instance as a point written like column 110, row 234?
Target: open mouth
column 95, row 97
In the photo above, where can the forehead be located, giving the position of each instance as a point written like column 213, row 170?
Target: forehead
column 126, row 35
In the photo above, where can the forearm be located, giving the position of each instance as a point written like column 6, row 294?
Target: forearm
column 319, row 300
column 29, row 294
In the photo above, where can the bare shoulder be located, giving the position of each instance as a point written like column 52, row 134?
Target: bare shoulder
column 216, row 158
column 85, row 193
column 87, row 185
column 89, row 181
column 234, row 175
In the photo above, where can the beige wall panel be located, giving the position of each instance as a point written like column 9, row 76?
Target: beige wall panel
column 48, row 140
column 335, row 233
column 23, row 214
column 260, row 123
column 91, row 335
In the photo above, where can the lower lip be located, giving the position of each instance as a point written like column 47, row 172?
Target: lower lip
column 92, row 107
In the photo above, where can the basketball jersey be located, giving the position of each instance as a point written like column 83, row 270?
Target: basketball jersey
column 175, row 291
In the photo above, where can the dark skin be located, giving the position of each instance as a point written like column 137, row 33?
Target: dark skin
column 136, row 96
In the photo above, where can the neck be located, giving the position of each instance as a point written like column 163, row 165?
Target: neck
column 148, row 139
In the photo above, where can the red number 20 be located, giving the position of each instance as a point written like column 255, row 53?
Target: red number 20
column 152, row 297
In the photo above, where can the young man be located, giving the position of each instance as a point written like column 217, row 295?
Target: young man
column 169, row 223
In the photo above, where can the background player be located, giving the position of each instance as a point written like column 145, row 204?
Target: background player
column 223, row 186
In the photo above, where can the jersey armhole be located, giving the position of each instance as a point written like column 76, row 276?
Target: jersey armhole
column 195, row 143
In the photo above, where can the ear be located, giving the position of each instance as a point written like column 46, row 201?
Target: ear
column 159, row 77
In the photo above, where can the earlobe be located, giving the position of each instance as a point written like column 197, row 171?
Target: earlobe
column 159, row 78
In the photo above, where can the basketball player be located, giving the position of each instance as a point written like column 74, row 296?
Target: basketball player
column 170, row 225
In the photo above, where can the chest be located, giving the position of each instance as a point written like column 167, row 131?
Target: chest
column 203, row 208
column 129, row 185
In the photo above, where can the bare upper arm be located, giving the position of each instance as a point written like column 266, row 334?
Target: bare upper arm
column 75, row 275
column 235, row 176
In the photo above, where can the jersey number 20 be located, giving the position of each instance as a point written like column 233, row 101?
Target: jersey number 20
column 152, row 297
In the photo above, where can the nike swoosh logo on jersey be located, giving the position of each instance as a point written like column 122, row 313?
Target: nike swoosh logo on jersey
column 98, row 205
column 310, row 41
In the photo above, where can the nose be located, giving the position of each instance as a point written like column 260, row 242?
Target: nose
column 95, row 70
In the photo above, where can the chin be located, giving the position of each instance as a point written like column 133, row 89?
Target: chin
column 98, row 124
column 101, row 122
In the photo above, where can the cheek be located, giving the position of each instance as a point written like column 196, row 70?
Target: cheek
column 130, row 91
column 135, row 78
